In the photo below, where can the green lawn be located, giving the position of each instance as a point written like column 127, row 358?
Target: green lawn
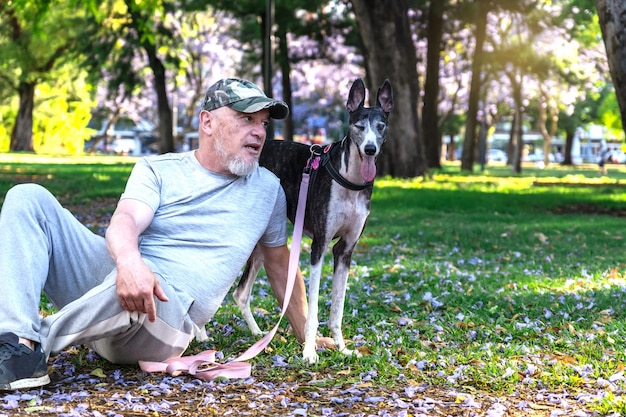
column 488, row 281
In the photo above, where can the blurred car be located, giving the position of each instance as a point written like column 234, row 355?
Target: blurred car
column 125, row 136
column 496, row 155
column 126, row 146
column 616, row 157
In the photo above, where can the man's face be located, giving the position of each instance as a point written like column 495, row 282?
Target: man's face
column 239, row 138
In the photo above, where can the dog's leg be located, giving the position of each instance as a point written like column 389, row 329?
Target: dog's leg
column 309, row 352
column 342, row 255
column 244, row 289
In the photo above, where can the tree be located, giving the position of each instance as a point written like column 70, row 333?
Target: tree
column 314, row 19
column 35, row 39
column 210, row 46
column 430, row 120
column 612, row 16
column 130, row 33
column 126, row 30
column 481, row 11
column 518, row 55
column 389, row 52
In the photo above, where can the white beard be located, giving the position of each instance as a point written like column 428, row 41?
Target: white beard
column 241, row 168
column 235, row 164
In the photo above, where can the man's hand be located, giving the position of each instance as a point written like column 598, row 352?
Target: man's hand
column 136, row 283
column 136, row 287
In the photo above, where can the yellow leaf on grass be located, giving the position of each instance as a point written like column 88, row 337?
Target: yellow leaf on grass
column 36, row 409
column 364, row 350
column 98, row 372
column 395, row 308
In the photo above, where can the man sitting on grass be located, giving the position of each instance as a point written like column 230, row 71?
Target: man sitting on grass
column 182, row 230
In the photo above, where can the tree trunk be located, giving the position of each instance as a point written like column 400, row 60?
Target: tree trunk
column 166, row 133
column 267, row 62
column 612, row 17
column 166, row 126
column 389, row 53
column 482, row 143
column 432, row 137
column 567, row 154
column 469, row 143
column 166, row 123
column 285, row 69
column 22, row 134
column 543, row 128
column 517, row 140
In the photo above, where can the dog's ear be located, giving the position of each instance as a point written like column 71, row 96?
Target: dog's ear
column 384, row 99
column 356, row 98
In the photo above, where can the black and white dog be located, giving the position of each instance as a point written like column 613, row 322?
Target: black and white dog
column 338, row 204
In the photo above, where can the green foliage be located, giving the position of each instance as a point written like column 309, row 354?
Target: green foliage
column 586, row 27
column 62, row 125
column 61, row 114
column 584, row 112
column 609, row 114
column 34, row 37
column 38, row 45
column 453, row 124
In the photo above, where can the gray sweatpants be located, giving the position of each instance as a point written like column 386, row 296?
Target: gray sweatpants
column 43, row 247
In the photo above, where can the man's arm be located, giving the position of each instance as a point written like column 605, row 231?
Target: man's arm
column 276, row 263
column 136, row 283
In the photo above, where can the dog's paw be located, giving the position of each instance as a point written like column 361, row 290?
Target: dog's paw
column 310, row 355
column 256, row 330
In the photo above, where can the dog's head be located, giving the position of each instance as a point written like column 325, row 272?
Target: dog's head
column 368, row 125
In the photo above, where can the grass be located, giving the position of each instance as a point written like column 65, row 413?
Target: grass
column 76, row 180
column 489, row 281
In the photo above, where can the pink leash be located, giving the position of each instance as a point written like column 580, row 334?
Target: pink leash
column 203, row 365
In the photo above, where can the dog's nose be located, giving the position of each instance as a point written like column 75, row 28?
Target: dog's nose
column 370, row 149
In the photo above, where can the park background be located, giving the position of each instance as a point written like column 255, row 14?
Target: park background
column 530, row 78
column 480, row 287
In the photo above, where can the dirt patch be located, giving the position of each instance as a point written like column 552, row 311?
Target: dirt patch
column 586, row 208
column 103, row 389
column 540, row 183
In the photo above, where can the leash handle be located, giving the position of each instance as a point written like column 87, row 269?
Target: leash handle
column 203, row 365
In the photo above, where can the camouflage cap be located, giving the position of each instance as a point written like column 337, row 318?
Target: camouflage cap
column 243, row 96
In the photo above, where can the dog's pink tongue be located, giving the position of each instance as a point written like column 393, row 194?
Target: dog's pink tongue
column 368, row 168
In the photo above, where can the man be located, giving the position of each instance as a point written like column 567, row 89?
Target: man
column 183, row 228
column 602, row 161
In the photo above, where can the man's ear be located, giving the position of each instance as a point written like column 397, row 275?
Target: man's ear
column 206, row 119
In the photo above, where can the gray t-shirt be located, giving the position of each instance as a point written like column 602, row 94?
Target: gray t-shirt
column 205, row 224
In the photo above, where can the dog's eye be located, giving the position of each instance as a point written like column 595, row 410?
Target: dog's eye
column 359, row 126
column 381, row 127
